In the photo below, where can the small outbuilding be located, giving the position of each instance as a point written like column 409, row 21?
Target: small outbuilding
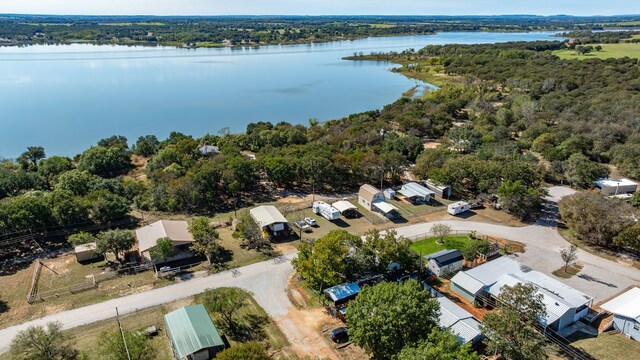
column 192, row 333
column 342, row 294
column 346, row 208
column 272, row 223
column 416, row 193
column 369, row 194
column 444, row 191
column 626, row 312
column 86, row 252
column 444, row 262
column 614, row 187
column 389, row 194
column 176, row 231
column 461, row 323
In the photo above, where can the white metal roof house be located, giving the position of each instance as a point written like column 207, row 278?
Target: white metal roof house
column 613, row 187
column 270, row 221
column 177, row 231
column 564, row 304
column 444, row 262
column 416, row 193
column 626, row 312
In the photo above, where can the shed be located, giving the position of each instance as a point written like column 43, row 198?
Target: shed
column 444, row 191
column 177, row 231
column 389, row 194
column 416, row 193
column 367, row 195
column 270, row 221
column 461, row 323
column 445, row 262
column 192, row 333
column 345, row 207
column 626, row 312
column 86, row 252
column 342, row 293
column 611, row 187
column 385, row 209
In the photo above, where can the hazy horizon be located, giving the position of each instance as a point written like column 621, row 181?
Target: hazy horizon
column 320, row 7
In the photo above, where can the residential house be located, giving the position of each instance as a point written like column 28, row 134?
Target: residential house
column 564, row 304
column 373, row 200
column 616, row 187
column 192, row 333
column 626, row 312
column 461, row 323
column 176, row 231
column 272, row 223
column 445, row 262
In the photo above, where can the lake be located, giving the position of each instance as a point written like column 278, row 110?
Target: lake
column 67, row 97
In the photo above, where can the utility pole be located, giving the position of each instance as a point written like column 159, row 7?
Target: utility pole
column 126, row 348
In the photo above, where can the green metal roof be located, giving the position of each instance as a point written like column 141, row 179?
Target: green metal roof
column 191, row 330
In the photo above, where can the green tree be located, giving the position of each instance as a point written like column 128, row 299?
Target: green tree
column 107, row 206
column 146, row 145
column 387, row 317
column 251, row 234
column 30, row 158
column 77, row 182
column 43, row 343
column 51, row 168
column 105, row 161
column 629, row 237
column 116, row 242
column 511, row 330
column 518, row 199
column 594, row 218
column 581, row 172
column 377, row 252
column 207, row 242
column 635, row 199
column 322, row 263
column 81, row 238
column 163, row 249
column 439, row 345
column 111, row 346
column 248, row 351
column 226, row 302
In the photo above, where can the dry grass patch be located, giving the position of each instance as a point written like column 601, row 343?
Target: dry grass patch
column 568, row 272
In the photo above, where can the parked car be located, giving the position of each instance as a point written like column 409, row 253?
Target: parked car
column 477, row 204
column 311, row 221
column 339, row 335
column 302, row 225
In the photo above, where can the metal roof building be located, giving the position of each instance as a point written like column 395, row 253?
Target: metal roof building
column 192, row 333
column 416, row 192
column 342, row 293
column 343, row 206
column 270, row 220
column 445, row 262
column 177, row 231
column 463, row 325
column 626, row 311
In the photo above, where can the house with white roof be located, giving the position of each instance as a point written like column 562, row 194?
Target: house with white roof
column 461, row 323
column 626, row 313
column 616, row 187
column 564, row 305
column 270, row 221
column 416, row 193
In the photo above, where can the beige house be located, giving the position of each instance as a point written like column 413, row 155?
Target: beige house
column 177, row 231
column 368, row 195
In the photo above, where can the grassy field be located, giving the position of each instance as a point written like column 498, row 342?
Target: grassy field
column 430, row 245
column 608, row 51
column 608, row 346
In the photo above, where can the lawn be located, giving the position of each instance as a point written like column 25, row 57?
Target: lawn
column 608, row 346
column 608, row 51
column 569, row 272
column 430, row 245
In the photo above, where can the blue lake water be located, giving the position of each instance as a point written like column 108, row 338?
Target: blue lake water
column 67, row 97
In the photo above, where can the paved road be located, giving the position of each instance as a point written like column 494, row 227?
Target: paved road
column 266, row 280
column 599, row 278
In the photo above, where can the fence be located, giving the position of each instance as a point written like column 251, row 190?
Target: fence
column 33, row 292
column 428, row 234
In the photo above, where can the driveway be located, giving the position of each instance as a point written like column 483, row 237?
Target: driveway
column 266, row 280
column 600, row 278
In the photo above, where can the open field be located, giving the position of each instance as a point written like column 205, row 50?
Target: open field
column 607, row 346
column 608, row 51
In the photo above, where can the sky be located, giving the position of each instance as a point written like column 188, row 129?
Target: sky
column 320, row 7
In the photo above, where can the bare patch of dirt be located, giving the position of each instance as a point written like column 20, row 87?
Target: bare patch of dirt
column 303, row 329
column 431, row 145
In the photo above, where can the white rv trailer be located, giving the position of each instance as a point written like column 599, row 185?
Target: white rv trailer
column 326, row 211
